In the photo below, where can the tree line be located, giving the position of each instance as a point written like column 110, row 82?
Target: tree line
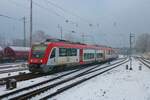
column 143, row 43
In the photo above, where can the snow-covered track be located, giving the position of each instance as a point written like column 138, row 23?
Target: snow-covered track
column 13, row 70
column 79, row 81
column 25, row 76
column 75, row 79
column 32, row 86
column 145, row 62
column 21, row 77
column 12, row 65
column 7, row 68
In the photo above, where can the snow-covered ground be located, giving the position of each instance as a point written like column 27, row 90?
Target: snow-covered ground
column 118, row 84
column 37, row 80
column 12, row 64
column 4, row 75
column 19, row 67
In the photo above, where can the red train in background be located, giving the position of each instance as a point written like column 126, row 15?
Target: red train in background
column 45, row 56
column 14, row 53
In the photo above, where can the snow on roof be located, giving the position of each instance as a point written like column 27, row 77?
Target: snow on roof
column 15, row 48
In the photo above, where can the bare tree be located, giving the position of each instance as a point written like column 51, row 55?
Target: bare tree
column 40, row 36
column 142, row 43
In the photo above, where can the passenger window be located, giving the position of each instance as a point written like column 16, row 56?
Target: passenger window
column 62, row 52
column 53, row 53
column 73, row 52
column 69, row 52
column 99, row 55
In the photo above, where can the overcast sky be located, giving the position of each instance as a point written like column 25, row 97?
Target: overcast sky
column 112, row 20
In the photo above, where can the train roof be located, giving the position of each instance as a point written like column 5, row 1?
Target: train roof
column 77, row 44
column 16, row 48
column 65, row 41
column 70, row 44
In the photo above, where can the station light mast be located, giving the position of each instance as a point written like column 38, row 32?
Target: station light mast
column 30, row 23
column 24, row 30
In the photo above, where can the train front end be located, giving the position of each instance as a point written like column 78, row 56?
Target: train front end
column 38, row 58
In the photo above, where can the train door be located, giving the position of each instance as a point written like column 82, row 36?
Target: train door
column 63, row 56
column 52, row 57
column 81, row 56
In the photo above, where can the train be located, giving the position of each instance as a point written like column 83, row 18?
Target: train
column 47, row 55
column 14, row 53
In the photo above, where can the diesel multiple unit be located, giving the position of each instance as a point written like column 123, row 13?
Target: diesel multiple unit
column 45, row 56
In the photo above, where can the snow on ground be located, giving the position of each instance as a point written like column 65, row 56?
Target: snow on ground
column 122, row 56
column 118, row 84
column 4, row 75
column 12, row 64
column 33, row 81
column 26, row 83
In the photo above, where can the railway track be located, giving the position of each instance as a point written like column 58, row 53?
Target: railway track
column 57, row 84
column 12, row 70
column 21, row 77
column 27, row 76
column 145, row 62
column 12, row 65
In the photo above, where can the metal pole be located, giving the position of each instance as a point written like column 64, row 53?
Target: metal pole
column 83, row 37
column 130, row 51
column 31, row 23
column 24, row 30
column 61, row 32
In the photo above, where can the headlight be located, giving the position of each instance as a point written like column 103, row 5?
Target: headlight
column 31, row 60
column 41, row 60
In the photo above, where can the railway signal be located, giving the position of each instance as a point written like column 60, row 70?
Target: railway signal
column 130, row 40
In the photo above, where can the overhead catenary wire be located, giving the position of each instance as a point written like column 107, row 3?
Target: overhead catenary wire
column 52, row 11
column 66, row 11
column 12, row 18
column 67, row 20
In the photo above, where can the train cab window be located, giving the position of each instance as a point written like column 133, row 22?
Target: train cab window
column 62, row 52
column 38, row 51
column 53, row 53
